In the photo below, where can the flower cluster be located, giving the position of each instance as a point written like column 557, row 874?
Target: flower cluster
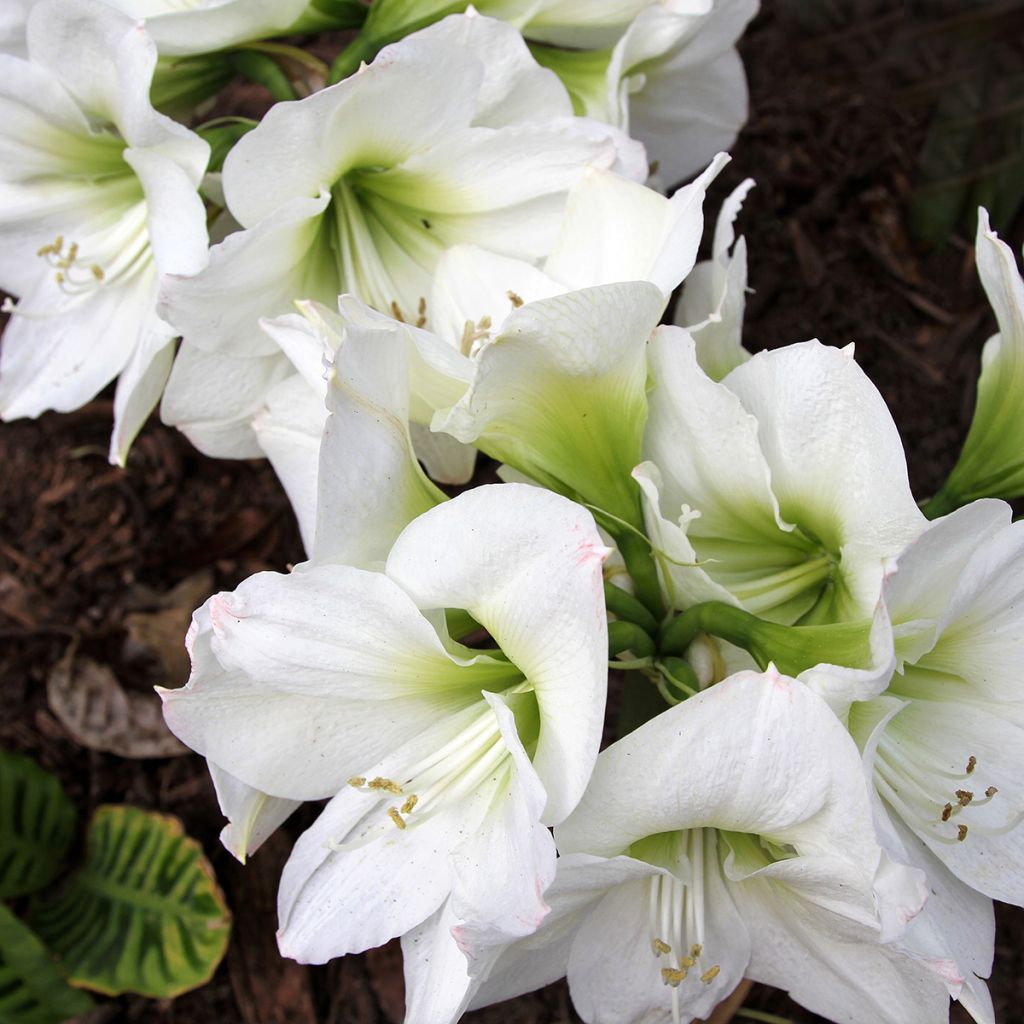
column 455, row 246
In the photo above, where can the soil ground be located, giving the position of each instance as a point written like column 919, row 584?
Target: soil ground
column 841, row 114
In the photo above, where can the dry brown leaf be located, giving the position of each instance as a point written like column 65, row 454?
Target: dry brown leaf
column 97, row 711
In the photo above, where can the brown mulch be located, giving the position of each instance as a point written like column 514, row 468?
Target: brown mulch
column 834, row 142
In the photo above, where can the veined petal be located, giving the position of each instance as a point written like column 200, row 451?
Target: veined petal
column 413, row 95
column 372, row 487
column 526, row 564
column 918, row 593
column 140, row 385
column 687, row 92
column 213, row 398
column 332, row 629
column 815, row 953
column 289, row 430
column 103, row 58
column 560, row 393
column 442, row 785
column 950, row 771
column 252, row 816
column 43, row 366
column 777, row 789
column 618, row 230
column 252, row 274
column 581, row 882
column 510, row 844
column 847, row 478
column 696, row 426
column 515, row 89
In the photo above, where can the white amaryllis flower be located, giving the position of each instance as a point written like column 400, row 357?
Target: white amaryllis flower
column 98, row 196
column 452, row 135
column 613, row 229
column 729, row 837
column 948, row 734
column 783, row 489
column 444, row 764
column 673, row 80
column 991, row 464
column 182, row 27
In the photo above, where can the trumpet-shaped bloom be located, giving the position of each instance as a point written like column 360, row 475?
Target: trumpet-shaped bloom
column 444, row 764
column 98, row 196
column 673, row 80
column 454, row 134
column 613, row 230
column 947, row 737
column 693, row 862
column 991, row 464
column 783, row 489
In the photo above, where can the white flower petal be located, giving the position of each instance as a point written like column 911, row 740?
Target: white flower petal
column 617, row 230
column 252, row 274
column 252, row 816
column 526, row 564
column 371, row 484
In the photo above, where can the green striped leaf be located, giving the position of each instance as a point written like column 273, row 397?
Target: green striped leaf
column 32, row 990
column 143, row 914
column 37, row 823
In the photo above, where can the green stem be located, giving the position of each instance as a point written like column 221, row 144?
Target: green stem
column 347, row 62
column 626, row 607
column 628, row 636
column 791, row 648
column 637, row 554
column 680, row 673
column 942, row 504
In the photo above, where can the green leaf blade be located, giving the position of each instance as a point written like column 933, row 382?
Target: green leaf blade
column 143, row 914
column 32, row 990
column 37, row 824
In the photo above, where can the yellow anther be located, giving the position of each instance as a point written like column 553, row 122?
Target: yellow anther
column 687, row 961
column 660, row 947
column 97, row 272
column 421, row 313
column 710, row 974
column 72, row 253
column 673, row 977
column 696, row 949
column 59, row 277
column 357, row 781
column 396, row 311
column 516, row 300
column 46, row 250
column 991, row 792
column 961, row 833
column 396, row 817
column 947, row 811
column 385, row 784
column 972, row 762
column 964, row 797
column 410, row 803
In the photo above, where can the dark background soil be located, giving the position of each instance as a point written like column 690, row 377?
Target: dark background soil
column 848, row 146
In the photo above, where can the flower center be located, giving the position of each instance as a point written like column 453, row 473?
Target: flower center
column 943, row 805
column 475, row 759
column 676, row 912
